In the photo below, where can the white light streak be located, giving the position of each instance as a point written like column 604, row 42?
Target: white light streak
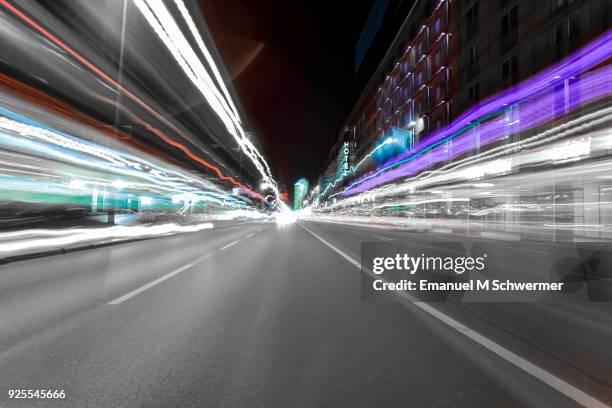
column 61, row 238
column 162, row 22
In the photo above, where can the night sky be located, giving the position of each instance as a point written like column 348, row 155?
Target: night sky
column 293, row 68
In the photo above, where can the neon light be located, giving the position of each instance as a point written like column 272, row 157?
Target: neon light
column 591, row 55
column 538, row 112
column 420, row 152
column 353, row 169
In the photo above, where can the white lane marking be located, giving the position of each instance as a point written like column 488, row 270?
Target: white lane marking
column 383, row 238
column 338, row 251
column 159, row 280
column 546, row 377
column 223, row 248
column 442, row 230
column 250, row 235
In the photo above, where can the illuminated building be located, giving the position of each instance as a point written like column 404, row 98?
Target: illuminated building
column 465, row 78
column 300, row 189
column 449, row 55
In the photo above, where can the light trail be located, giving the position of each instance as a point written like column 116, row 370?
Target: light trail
column 533, row 152
column 44, row 148
column 61, row 238
column 353, row 169
column 211, row 63
column 123, row 90
column 164, row 25
column 482, row 192
column 587, row 57
column 502, row 164
column 537, row 112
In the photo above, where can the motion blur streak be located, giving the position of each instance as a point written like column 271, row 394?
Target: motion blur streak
column 63, row 237
column 570, row 149
column 528, row 162
column 46, row 165
column 353, row 169
column 243, row 140
column 522, row 107
column 129, row 171
column 158, row 16
column 126, row 92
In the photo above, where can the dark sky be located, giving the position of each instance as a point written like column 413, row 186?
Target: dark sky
column 293, row 68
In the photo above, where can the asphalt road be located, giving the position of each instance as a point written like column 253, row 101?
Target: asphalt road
column 262, row 316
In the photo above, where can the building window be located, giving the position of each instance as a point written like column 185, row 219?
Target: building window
column 557, row 4
column 409, row 85
column 473, row 21
column 510, row 21
column 558, row 41
column 438, row 124
column 438, row 25
column 405, row 68
column 574, row 32
column 409, row 114
column 473, row 53
column 509, row 30
column 422, row 127
column 421, row 102
column 438, row 59
column 419, row 80
column 418, row 50
column 474, row 93
column 510, row 71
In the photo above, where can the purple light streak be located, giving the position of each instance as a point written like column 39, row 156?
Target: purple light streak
column 531, row 113
column 537, row 87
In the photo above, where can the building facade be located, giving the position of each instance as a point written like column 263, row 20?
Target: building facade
column 451, row 58
column 448, row 55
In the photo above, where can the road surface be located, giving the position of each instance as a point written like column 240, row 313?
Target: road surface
column 258, row 315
